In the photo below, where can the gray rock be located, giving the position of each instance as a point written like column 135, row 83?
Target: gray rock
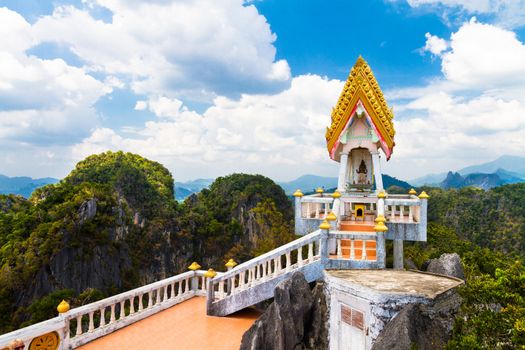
column 316, row 336
column 447, row 264
column 295, row 320
column 410, row 265
column 87, row 210
column 419, row 326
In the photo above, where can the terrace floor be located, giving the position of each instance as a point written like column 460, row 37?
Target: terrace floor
column 183, row 326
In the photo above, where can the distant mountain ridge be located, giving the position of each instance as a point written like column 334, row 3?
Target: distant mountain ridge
column 480, row 180
column 185, row 189
column 23, row 185
column 504, row 170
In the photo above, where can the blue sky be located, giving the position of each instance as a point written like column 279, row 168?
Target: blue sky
column 213, row 87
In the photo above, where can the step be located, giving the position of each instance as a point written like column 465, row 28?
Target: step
column 352, row 226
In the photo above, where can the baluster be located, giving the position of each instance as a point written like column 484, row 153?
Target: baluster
column 339, row 249
column 91, row 324
column 363, row 251
column 221, row 289
column 79, row 325
column 392, row 212
column 102, row 317
column 352, row 251
column 122, row 310
column 203, row 284
column 149, row 299
column 310, row 252
column 264, row 270
column 179, row 291
column 165, row 295
column 308, row 210
column 300, row 257
column 401, row 211
column 112, row 316
column 157, row 296
column 172, row 290
column 317, row 210
column 288, row 261
column 140, row 303
column 410, row 214
column 269, row 262
column 254, row 276
column 132, row 305
column 275, row 270
column 241, row 280
column 232, row 281
column 186, row 285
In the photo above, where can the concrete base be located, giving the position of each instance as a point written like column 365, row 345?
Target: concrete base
column 374, row 297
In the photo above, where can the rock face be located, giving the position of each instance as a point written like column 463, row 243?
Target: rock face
column 420, row 326
column 447, row 264
column 297, row 319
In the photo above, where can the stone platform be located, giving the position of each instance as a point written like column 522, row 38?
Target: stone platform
column 363, row 302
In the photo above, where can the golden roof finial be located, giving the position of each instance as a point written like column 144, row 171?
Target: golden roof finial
column 362, row 87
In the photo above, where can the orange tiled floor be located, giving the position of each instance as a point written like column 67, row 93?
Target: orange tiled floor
column 183, row 326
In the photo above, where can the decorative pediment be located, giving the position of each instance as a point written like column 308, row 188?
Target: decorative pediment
column 361, row 89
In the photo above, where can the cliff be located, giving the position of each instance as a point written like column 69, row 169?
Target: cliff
column 113, row 224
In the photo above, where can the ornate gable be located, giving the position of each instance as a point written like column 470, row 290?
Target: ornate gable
column 361, row 88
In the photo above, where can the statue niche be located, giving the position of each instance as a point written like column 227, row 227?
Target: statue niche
column 362, row 174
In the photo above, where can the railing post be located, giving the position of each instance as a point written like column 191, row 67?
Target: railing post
column 323, row 243
column 62, row 309
column 423, row 215
column 195, row 279
column 380, row 231
column 298, row 210
column 210, row 289
column 230, row 265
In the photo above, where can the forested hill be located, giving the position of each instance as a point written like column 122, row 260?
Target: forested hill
column 487, row 229
column 113, row 224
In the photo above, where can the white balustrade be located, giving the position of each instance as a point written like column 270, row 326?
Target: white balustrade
column 84, row 318
column 270, row 265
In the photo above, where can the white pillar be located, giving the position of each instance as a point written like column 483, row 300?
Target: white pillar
column 343, row 169
column 377, row 171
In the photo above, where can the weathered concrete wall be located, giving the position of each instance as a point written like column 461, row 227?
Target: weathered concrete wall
column 380, row 305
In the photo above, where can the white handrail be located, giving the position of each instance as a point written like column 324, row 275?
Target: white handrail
column 300, row 242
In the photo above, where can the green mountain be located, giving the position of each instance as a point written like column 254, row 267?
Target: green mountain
column 113, row 224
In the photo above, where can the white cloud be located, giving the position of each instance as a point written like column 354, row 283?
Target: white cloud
column 474, row 113
column 280, row 135
column 41, row 100
column 192, row 49
column 435, row 45
column 485, row 56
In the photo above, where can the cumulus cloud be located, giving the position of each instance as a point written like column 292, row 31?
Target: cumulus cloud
column 275, row 134
column 192, row 49
column 41, row 99
column 474, row 112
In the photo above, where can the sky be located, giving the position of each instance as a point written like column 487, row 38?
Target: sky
column 212, row 87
